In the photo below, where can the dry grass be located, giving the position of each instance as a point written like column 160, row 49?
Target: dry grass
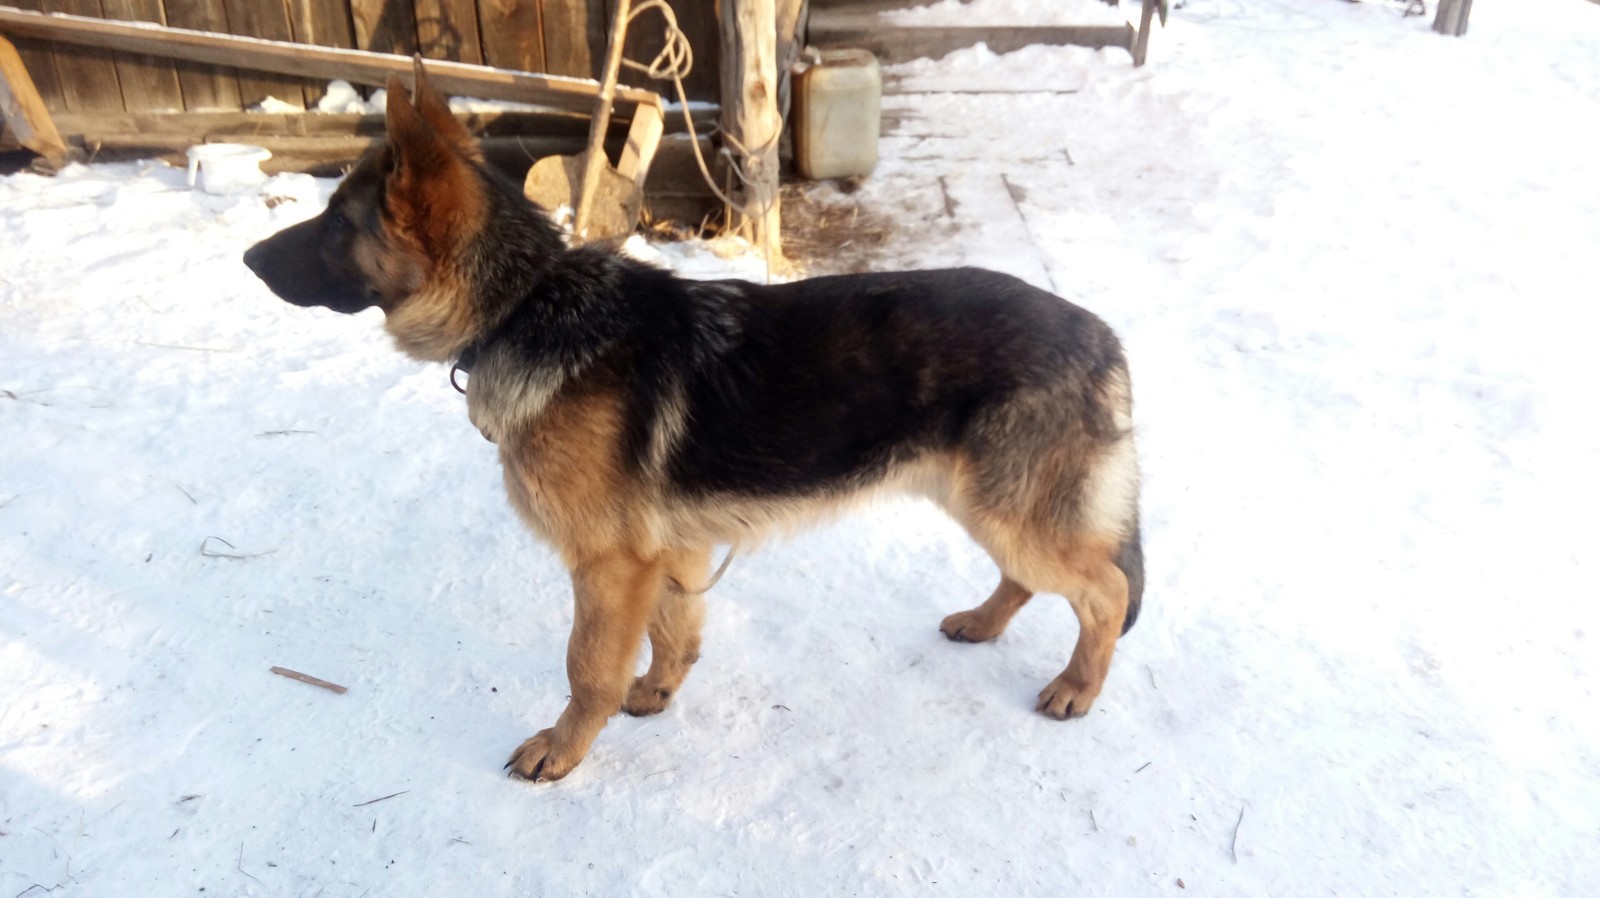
column 825, row 231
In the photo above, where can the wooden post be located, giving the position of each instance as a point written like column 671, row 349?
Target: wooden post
column 24, row 110
column 750, row 120
column 595, row 158
column 1452, row 17
column 1141, row 43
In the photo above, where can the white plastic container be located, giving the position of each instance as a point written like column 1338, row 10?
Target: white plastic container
column 838, row 95
column 225, row 168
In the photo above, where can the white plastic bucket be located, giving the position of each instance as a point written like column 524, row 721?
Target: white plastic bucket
column 225, row 168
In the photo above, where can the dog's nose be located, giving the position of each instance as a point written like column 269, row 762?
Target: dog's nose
column 253, row 260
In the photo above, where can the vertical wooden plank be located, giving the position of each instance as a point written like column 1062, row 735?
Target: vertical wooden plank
column 749, row 118
column 384, row 26
column 1452, row 17
column 23, row 109
column 325, row 23
column 268, row 19
column 697, row 19
column 575, row 37
column 448, row 29
column 40, row 59
column 205, row 87
column 149, row 83
column 1141, row 43
column 88, row 75
column 513, row 34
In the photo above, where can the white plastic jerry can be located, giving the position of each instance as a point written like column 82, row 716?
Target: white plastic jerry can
column 837, row 96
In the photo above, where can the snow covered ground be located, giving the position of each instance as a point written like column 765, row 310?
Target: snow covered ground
column 1355, row 266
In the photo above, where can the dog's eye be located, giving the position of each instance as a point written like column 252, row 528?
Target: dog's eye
column 336, row 218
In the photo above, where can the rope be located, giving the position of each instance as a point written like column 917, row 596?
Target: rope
column 721, row 569
column 675, row 62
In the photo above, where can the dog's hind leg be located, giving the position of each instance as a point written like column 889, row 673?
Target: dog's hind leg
column 674, row 632
column 987, row 621
column 615, row 596
column 1097, row 588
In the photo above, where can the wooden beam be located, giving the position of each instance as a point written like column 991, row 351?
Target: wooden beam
column 24, row 110
column 1141, row 43
column 198, row 126
column 1452, row 17
column 644, row 138
column 750, row 121
column 303, row 61
column 893, row 45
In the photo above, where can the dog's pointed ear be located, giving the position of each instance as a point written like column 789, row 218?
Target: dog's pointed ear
column 433, row 194
column 409, row 136
column 435, row 110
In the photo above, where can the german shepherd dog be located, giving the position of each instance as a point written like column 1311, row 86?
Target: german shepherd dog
column 642, row 418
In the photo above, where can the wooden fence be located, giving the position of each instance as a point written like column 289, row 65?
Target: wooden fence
column 559, row 37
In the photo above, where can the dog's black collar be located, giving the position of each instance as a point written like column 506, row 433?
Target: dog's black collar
column 465, row 361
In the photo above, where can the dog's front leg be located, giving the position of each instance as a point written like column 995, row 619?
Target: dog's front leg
column 614, row 596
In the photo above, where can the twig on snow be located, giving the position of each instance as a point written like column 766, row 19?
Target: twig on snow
column 1144, row 765
column 240, row 865
column 212, row 553
column 282, row 433
column 315, row 681
column 376, row 800
column 1233, row 846
column 186, row 494
column 1152, row 677
column 189, row 348
column 1093, row 822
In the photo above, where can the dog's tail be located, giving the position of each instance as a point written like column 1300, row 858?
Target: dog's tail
column 1130, row 558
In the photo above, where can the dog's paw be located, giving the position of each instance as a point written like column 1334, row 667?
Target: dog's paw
column 645, row 699
column 1063, row 699
column 541, row 760
column 970, row 626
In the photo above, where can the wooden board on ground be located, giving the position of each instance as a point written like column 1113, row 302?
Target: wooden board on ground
column 23, row 110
